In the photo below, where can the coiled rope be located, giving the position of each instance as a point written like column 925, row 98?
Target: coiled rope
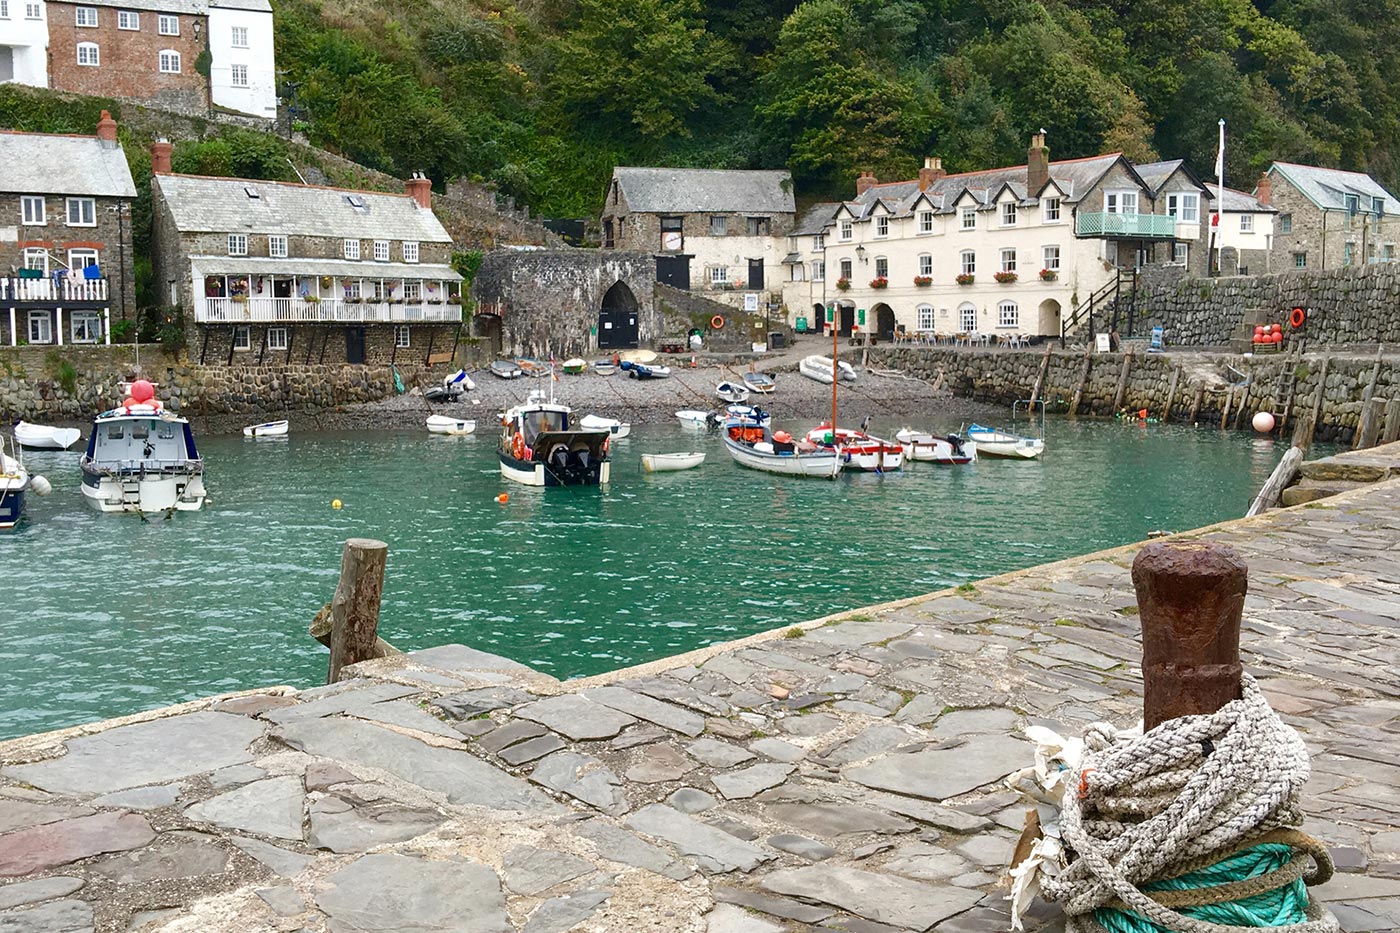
column 1190, row 828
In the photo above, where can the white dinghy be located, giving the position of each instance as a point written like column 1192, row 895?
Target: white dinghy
column 819, row 368
column 266, row 429
column 666, row 463
column 44, row 437
column 618, row 429
column 442, row 424
column 732, row 392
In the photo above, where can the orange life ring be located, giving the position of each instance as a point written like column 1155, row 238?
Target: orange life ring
column 517, row 446
column 1297, row 317
column 717, row 322
column 605, row 445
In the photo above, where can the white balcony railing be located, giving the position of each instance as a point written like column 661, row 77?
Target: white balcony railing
column 16, row 289
column 325, row 311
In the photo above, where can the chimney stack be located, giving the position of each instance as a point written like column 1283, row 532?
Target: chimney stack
column 160, row 156
column 420, row 188
column 1037, row 164
column 107, row 131
column 1264, row 190
column 864, row 182
column 931, row 172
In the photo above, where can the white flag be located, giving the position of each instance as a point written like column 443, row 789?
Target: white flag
column 1220, row 154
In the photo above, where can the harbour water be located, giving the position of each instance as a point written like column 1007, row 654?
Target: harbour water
column 107, row 615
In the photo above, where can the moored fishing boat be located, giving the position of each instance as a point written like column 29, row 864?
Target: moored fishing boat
column 752, row 446
column 15, row 481
column 861, row 450
column 44, row 437
column 952, row 449
column 820, row 369
column 749, row 413
column 442, row 424
column 698, row 420
column 506, row 369
column 761, row 383
column 992, row 442
column 540, row 447
column 618, row 429
column 574, row 366
column 732, row 392
column 666, row 463
column 267, row 429
column 141, row 458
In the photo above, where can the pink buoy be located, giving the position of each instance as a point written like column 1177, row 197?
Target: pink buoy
column 142, row 391
column 1263, row 422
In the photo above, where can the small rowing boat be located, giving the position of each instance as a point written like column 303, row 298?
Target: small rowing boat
column 267, row 429
column 646, row 371
column 732, row 392
column 761, row 383
column 575, row 366
column 536, row 368
column 698, row 420
column 666, row 463
column 44, row 437
column 992, row 442
column 749, row 413
column 932, row 449
column 441, row 424
column 638, row 356
column 506, row 369
column 605, row 367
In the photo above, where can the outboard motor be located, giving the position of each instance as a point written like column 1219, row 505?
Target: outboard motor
column 957, row 444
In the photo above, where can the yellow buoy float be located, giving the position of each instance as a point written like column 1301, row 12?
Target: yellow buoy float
column 336, row 503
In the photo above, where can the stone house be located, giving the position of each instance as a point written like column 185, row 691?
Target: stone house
column 1247, row 227
column 718, row 232
column 1328, row 218
column 154, row 52
column 1005, row 252
column 65, row 236
column 301, row 272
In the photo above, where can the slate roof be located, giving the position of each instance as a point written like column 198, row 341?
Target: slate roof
column 40, row 163
column 185, row 7
column 341, row 268
column 222, row 205
column 1328, row 187
column 690, row 190
column 1238, row 202
column 816, row 218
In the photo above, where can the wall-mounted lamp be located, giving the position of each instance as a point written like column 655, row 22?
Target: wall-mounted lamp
column 860, row 253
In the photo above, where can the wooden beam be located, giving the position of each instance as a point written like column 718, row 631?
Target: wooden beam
column 1122, row 389
column 1279, row 480
column 1171, row 394
column 1044, row 371
column 1083, row 382
column 1196, row 402
column 1368, row 429
column 355, row 606
column 1391, row 432
column 1303, row 430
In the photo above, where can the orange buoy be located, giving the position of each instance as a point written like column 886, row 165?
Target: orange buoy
column 503, row 498
column 1142, row 413
column 717, row 322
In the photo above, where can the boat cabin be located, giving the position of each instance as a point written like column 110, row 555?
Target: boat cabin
column 147, row 442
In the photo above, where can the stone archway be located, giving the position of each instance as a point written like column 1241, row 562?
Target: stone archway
column 883, row 322
column 1048, row 318
column 617, row 319
column 817, row 324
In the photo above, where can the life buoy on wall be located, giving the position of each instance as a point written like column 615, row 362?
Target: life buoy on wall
column 717, row 322
column 1297, row 317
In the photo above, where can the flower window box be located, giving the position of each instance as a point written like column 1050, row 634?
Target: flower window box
column 1005, row 278
column 966, row 278
column 923, row 280
column 879, row 282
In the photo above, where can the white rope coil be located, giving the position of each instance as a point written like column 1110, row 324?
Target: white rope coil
column 1148, row 806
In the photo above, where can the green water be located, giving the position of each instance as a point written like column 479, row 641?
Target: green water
column 106, row 615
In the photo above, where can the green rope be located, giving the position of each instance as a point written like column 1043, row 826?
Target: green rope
column 1280, row 907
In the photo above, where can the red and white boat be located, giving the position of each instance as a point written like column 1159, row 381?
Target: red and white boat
column 861, row 451
column 948, row 450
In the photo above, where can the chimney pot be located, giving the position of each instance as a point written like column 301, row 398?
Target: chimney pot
column 107, row 130
column 931, row 172
column 419, row 187
column 1037, row 165
column 160, row 156
column 1264, row 190
column 865, row 182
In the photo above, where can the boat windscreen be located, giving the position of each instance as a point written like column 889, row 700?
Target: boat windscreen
column 536, row 422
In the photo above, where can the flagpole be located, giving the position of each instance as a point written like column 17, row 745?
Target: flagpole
column 1220, row 202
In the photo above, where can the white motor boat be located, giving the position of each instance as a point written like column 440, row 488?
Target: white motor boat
column 618, row 429
column 540, row 446
column 696, row 419
column 933, row 449
column 141, row 458
column 44, row 437
column 749, row 413
column 992, row 442
column 267, row 429
column 819, row 368
column 861, row 450
column 752, row 446
column 441, row 424
column 15, row 481
column 453, row 387
column 732, row 392
column 666, row 463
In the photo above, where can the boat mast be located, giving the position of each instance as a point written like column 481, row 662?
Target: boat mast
column 834, row 364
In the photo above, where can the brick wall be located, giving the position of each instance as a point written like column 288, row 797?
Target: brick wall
column 111, row 238
column 129, row 64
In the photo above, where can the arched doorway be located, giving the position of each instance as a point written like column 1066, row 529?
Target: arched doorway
column 884, row 322
column 617, row 319
column 487, row 327
column 1048, row 318
column 845, row 317
column 818, row 322
column 967, row 318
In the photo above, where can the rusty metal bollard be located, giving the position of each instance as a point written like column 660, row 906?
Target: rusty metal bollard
column 1190, row 599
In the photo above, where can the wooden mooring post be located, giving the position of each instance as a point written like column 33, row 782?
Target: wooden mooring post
column 1044, row 371
column 1303, row 430
column 1171, row 394
column 349, row 625
column 1391, row 432
column 1368, row 429
column 1196, row 402
column 1190, row 600
column 1122, row 391
column 1083, row 383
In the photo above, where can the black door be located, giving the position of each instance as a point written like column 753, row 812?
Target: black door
column 354, row 344
column 847, row 320
column 755, row 274
column 673, row 271
column 617, row 319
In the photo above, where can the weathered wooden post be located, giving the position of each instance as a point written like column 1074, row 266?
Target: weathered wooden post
column 1190, row 599
column 1303, row 430
column 1196, row 402
column 1083, row 383
column 1171, row 394
column 1368, row 429
column 1391, row 433
column 355, row 606
column 1121, row 392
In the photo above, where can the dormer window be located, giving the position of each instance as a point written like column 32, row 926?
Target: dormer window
column 969, row 218
column 1185, row 207
column 847, row 230
column 1353, row 203
column 882, row 225
column 1008, row 213
column 1051, row 207
column 1120, row 202
column 1378, row 205
column 925, row 221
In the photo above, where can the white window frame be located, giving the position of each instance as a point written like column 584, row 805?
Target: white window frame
column 351, row 249
column 277, row 338
column 882, row 226
column 43, row 333
column 242, row 338
column 967, row 317
column 27, row 212
column 1247, row 223
column 1118, row 200
column 238, row 244
column 1185, row 206
column 77, row 259
column 925, row 223
column 925, row 317
column 818, row 270
column 381, row 250
column 968, row 219
column 819, row 241
column 412, row 290
column 169, row 61
column 882, row 267
column 1008, row 314
column 129, row 20
column 89, row 55
column 797, row 272
column 1008, row 213
column 847, row 230
column 87, row 212
column 1008, row 260
column 719, row 275
column 410, row 251
column 967, row 262
column 4, row 9
column 168, row 24
column 85, row 17
column 34, row 11
column 277, row 246
column 238, row 75
column 1050, row 257
column 1181, row 253
column 1050, row 211
column 235, row 34
column 925, row 264
column 403, row 337
column 84, row 327
column 847, row 272
column 32, row 253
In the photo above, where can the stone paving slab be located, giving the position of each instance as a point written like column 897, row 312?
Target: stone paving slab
column 839, row 775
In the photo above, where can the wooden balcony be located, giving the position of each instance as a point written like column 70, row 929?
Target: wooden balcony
column 1125, row 226
column 68, row 292
column 325, row 311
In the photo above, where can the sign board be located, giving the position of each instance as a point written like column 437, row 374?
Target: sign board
column 751, row 302
column 830, row 313
column 801, row 325
column 860, row 316
column 1101, row 344
column 1156, row 339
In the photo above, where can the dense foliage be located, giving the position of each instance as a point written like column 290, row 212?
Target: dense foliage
column 543, row 97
